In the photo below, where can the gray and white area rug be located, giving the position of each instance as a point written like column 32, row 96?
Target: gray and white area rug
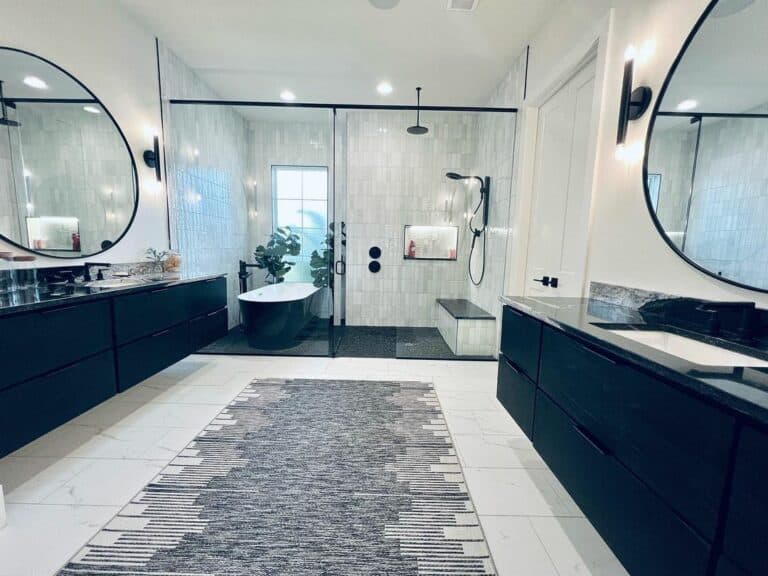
column 304, row 477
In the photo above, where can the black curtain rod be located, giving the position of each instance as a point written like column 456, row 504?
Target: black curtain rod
column 337, row 106
column 711, row 115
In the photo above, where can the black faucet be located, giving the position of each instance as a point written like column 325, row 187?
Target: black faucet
column 99, row 275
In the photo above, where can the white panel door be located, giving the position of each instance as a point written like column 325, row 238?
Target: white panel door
column 557, row 244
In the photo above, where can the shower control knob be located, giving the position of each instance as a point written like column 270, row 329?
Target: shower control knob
column 544, row 280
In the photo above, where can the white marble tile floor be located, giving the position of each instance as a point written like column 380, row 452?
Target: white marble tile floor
column 62, row 488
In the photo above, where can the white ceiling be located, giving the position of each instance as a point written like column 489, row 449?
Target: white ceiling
column 725, row 68
column 336, row 51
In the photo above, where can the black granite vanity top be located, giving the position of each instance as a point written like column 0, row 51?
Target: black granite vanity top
column 53, row 295
column 742, row 389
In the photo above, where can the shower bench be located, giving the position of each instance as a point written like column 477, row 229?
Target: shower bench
column 466, row 328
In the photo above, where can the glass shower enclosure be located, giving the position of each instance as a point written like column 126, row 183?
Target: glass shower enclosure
column 306, row 207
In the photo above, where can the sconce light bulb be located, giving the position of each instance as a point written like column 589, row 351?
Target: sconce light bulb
column 630, row 53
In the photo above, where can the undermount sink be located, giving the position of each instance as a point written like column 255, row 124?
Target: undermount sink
column 114, row 283
column 692, row 350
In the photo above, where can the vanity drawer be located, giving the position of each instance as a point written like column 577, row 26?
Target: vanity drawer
column 206, row 296
column 746, row 528
column 517, row 394
column 675, row 443
column 32, row 408
column 148, row 312
column 33, row 343
column 644, row 533
column 521, row 341
column 148, row 356
column 205, row 329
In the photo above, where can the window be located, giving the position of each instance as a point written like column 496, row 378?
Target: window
column 300, row 202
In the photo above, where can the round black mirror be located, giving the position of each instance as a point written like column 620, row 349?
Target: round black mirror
column 374, row 252
column 704, row 170
column 68, row 181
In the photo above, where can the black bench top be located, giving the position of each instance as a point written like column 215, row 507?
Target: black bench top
column 462, row 309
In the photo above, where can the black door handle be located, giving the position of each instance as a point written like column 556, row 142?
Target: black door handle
column 544, row 280
column 341, row 267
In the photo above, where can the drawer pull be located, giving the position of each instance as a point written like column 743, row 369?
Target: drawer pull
column 511, row 366
column 211, row 280
column 57, row 310
column 163, row 333
column 213, row 313
column 59, row 371
column 515, row 312
column 590, row 440
column 159, row 290
column 599, row 355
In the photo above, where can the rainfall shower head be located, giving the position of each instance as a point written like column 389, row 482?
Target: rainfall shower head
column 4, row 120
column 418, row 129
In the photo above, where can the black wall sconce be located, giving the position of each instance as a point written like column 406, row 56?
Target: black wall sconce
column 634, row 103
column 152, row 157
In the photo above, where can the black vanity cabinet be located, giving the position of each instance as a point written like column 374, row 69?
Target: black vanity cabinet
column 647, row 462
column 519, row 366
column 159, row 327
column 746, row 527
column 206, row 308
column 60, row 360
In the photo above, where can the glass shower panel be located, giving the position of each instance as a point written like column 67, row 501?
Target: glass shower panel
column 670, row 173
column 392, row 180
column 253, row 184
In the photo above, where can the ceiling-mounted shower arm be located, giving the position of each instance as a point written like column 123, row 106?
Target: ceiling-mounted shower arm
column 418, row 129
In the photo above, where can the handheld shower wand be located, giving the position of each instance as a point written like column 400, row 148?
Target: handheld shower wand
column 485, row 190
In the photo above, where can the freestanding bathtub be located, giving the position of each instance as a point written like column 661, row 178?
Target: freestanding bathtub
column 274, row 315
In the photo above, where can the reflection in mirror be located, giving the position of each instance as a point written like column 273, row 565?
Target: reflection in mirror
column 707, row 175
column 430, row 242
column 67, row 179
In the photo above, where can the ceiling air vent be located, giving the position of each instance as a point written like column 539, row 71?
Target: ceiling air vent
column 462, row 5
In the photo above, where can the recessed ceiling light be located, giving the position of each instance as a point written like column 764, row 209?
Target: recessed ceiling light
column 92, row 109
column 35, row 82
column 384, row 4
column 384, row 88
column 287, row 95
column 687, row 105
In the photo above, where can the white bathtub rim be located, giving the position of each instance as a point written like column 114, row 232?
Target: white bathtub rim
column 271, row 293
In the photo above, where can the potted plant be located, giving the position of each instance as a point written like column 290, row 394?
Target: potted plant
column 282, row 243
column 320, row 263
column 156, row 257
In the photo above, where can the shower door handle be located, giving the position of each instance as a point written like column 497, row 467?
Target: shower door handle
column 341, row 267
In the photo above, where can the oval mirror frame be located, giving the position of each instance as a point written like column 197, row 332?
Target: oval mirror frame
column 649, row 137
column 135, row 174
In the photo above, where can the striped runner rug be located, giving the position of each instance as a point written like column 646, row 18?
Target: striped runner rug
column 304, row 477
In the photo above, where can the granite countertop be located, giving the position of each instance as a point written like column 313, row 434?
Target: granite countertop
column 54, row 295
column 744, row 390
